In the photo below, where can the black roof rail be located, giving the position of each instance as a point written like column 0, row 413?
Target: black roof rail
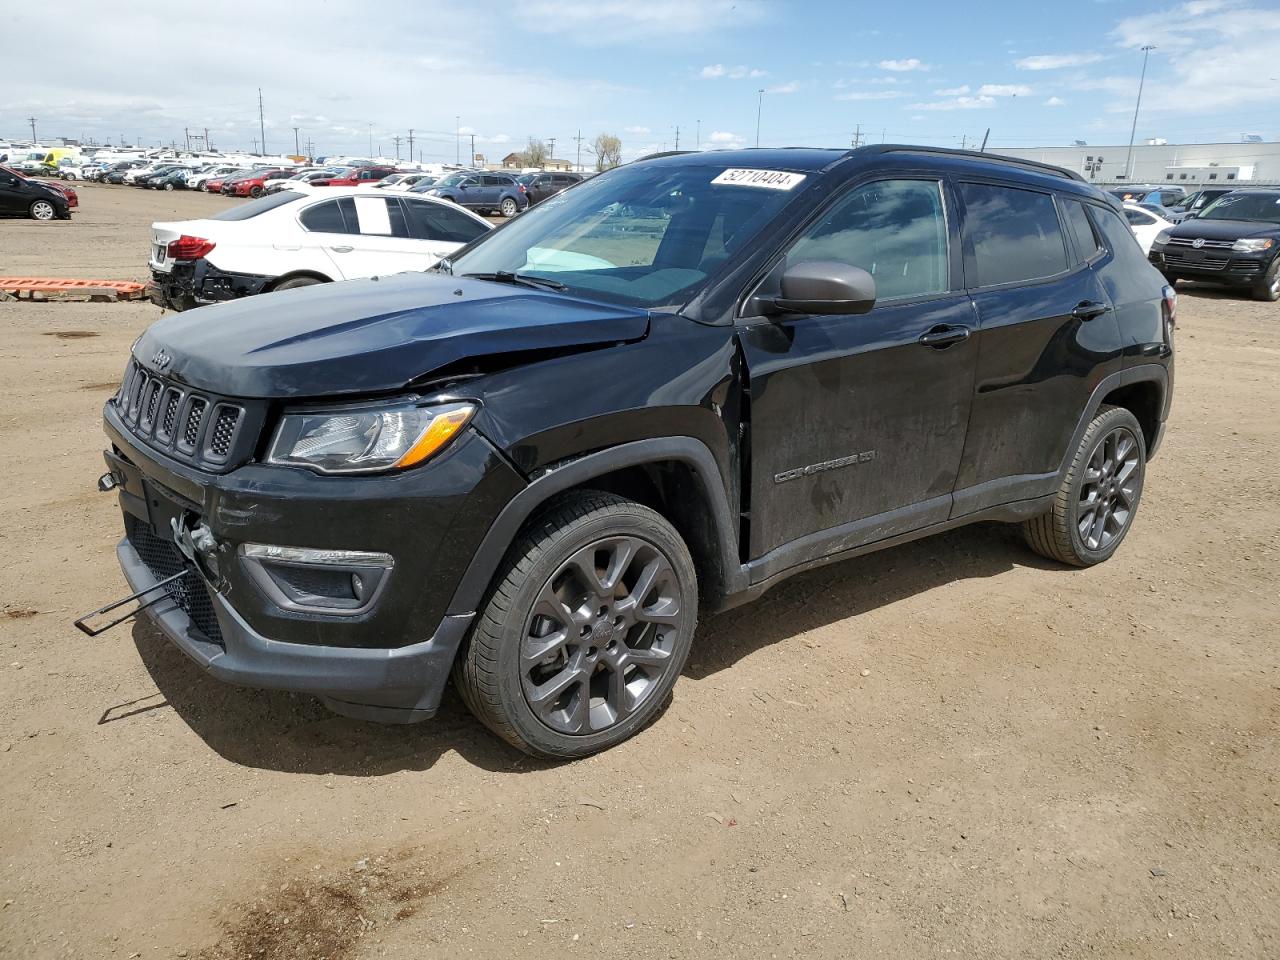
column 974, row 155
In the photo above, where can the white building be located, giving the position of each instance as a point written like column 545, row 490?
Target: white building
column 1185, row 164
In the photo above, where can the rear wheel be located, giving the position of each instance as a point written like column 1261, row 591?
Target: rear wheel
column 586, row 630
column 1099, row 496
column 1268, row 286
column 168, row 186
column 295, row 282
column 509, row 208
column 42, row 210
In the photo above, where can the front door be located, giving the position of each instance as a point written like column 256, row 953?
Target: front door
column 858, row 422
column 13, row 199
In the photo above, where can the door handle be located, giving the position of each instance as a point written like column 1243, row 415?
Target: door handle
column 343, row 249
column 944, row 335
column 1088, row 309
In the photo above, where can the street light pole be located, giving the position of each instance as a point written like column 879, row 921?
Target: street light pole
column 1128, row 166
column 759, row 108
column 457, row 140
column 297, row 147
column 371, row 141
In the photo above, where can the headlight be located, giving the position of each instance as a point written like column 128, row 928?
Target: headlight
column 1252, row 246
column 1162, row 237
column 367, row 439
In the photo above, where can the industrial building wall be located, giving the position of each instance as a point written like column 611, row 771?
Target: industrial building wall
column 1154, row 163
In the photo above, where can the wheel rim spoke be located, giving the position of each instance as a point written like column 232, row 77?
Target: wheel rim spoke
column 601, row 635
column 1109, row 489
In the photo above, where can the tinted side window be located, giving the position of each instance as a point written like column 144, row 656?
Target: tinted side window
column 1119, row 238
column 324, row 217
column 1015, row 234
column 1139, row 219
column 1081, row 229
column 433, row 221
column 896, row 230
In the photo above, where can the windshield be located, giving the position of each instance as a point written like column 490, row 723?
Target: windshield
column 453, row 179
column 646, row 234
column 1263, row 207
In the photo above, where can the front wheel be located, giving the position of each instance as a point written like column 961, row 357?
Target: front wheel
column 586, row 630
column 1099, row 496
column 255, row 192
column 509, row 208
column 1267, row 288
column 42, row 210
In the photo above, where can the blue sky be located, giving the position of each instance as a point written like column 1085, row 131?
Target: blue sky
column 938, row 73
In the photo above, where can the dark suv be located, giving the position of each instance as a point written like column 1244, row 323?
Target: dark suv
column 673, row 388
column 483, row 192
column 540, row 186
column 1234, row 241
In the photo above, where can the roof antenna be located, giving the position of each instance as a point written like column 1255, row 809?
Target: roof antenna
column 983, row 148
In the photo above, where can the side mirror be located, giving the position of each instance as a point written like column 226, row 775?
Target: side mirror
column 824, row 287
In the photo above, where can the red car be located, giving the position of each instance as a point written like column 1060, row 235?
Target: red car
column 73, row 198
column 359, row 177
column 254, row 185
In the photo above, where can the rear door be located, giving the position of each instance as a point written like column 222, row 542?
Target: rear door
column 384, row 243
column 858, row 422
column 1047, row 336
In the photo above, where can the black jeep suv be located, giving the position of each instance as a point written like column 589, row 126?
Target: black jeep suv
column 1233, row 241
column 670, row 387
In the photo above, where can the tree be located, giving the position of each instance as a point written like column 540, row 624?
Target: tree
column 536, row 154
column 608, row 151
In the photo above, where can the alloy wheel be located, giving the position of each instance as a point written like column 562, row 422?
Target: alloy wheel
column 42, row 210
column 508, row 208
column 1111, row 488
column 601, row 635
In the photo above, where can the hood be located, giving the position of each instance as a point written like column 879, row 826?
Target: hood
column 1224, row 229
column 371, row 336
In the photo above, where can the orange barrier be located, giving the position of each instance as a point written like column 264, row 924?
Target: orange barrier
column 60, row 288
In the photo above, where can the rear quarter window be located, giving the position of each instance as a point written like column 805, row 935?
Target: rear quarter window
column 1015, row 234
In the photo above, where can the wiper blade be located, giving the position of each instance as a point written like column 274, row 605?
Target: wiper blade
column 519, row 280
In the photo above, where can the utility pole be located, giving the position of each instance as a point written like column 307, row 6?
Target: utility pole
column 759, row 108
column 371, row 141
column 297, row 148
column 255, row 144
column 677, row 136
column 187, row 133
column 857, row 137
column 411, row 144
column 311, row 150
column 32, row 121
column 964, row 141
column 396, row 141
column 473, row 148
column 207, row 144
column 578, row 138
column 262, row 124
column 1128, row 164
column 551, row 155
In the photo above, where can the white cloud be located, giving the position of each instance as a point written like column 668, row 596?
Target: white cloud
column 957, row 103
column 903, row 66
column 635, row 130
column 1003, row 90
column 1056, row 61
column 605, row 22
column 722, row 138
column 1055, row 102
column 870, row 95
column 790, row 86
column 959, row 91
column 717, row 70
column 713, row 71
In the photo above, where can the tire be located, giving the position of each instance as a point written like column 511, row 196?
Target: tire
column 295, row 282
column 1107, row 472
column 509, row 207
column 578, row 695
column 255, row 192
column 168, row 186
column 42, row 210
column 1267, row 289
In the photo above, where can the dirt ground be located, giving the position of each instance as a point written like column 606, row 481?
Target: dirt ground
column 947, row 749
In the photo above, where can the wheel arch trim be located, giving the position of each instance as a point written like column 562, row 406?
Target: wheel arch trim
column 504, row 529
column 1155, row 373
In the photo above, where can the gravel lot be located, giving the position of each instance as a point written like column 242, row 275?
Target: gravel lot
column 1040, row 762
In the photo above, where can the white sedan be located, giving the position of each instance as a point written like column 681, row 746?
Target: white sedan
column 1146, row 226
column 295, row 239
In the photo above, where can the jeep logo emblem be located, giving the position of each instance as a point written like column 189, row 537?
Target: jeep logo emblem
column 161, row 360
column 1198, row 242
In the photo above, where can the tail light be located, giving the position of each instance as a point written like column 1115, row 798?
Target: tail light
column 1170, row 313
column 521, row 186
column 189, row 248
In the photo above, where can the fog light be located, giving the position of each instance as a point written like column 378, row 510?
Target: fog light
column 306, row 579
